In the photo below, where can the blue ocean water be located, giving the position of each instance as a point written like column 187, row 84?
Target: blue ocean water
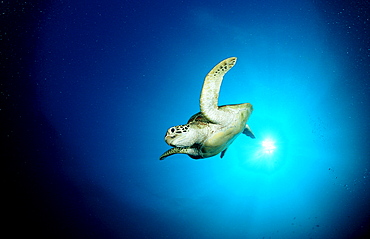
column 96, row 84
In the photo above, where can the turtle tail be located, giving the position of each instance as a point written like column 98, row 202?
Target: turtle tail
column 211, row 89
column 176, row 150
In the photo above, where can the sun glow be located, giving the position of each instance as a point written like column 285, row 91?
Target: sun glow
column 268, row 146
column 265, row 153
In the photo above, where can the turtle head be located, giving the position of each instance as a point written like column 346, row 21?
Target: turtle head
column 180, row 136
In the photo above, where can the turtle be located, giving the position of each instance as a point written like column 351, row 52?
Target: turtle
column 212, row 130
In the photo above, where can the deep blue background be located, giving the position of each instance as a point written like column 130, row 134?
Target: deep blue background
column 90, row 88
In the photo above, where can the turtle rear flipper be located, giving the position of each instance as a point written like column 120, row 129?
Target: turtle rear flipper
column 223, row 153
column 248, row 132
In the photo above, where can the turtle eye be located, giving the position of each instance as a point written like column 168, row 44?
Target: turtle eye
column 172, row 130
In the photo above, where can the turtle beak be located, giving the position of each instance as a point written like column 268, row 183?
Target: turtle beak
column 168, row 139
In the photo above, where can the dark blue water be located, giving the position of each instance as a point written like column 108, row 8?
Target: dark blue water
column 92, row 86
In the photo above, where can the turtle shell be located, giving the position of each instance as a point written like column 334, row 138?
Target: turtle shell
column 199, row 117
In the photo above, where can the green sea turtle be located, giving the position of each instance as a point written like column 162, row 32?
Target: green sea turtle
column 214, row 128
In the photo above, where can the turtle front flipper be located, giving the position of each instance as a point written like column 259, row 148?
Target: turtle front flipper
column 211, row 89
column 193, row 153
